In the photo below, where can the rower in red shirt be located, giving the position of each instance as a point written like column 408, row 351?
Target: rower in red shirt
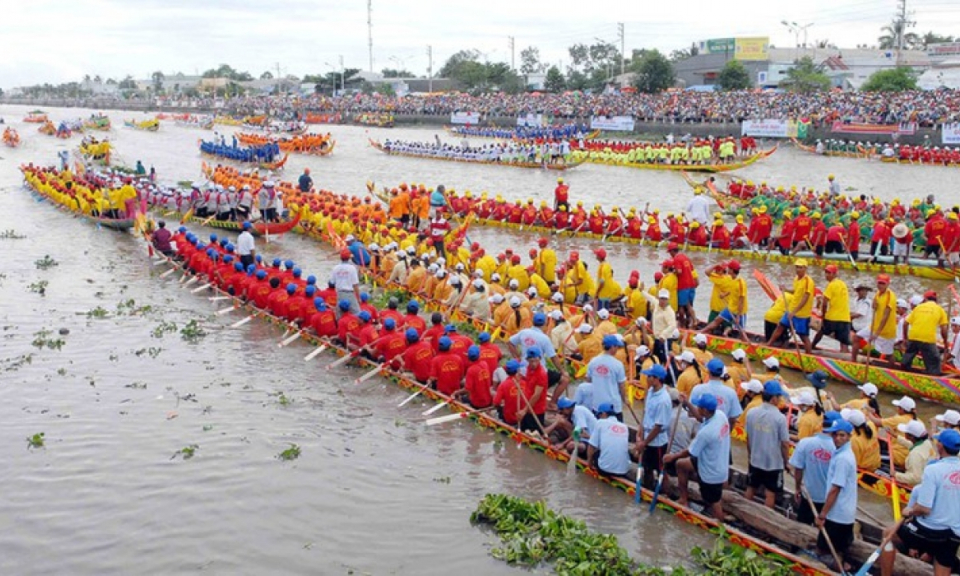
column 348, row 325
column 654, row 233
column 260, row 292
column 507, row 399
column 390, row 344
column 329, row 294
column 299, row 305
column 277, row 302
column 529, row 215
column 535, row 383
column 366, row 305
column 802, row 225
column 477, row 382
column 435, row 331
column 418, row 356
column 459, row 344
column 489, row 352
column 516, row 213
column 880, row 238
column 720, row 238
column 818, row 236
column 785, row 241
column 412, row 318
column 561, row 219
column 698, row 234
column 596, row 222
column 446, row 369
column 852, row 239
column 392, row 312
column 545, row 215
column 324, row 320
column 934, row 231
column 368, row 334
column 634, row 227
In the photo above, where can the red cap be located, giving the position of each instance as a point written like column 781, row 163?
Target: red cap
column 501, row 256
column 831, row 268
column 345, row 254
column 515, row 259
column 475, row 246
column 735, row 265
column 885, row 278
column 930, row 295
column 542, row 241
column 658, row 276
column 672, row 246
column 533, row 252
column 600, row 253
column 667, row 264
column 574, row 255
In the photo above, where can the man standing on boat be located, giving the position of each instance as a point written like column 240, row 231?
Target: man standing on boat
column 561, row 195
column 797, row 313
column 930, row 525
column 346, row 280
column 698, row 209
column 245, row 246
column 839, row 511
column 922, row 325
column 834, row 185
column 657, row 412
column 707, row 458
column 811, row 463
column 608, row 376
column 835, row 310
column 768, row 445
column 687, row 283
column 305, row 183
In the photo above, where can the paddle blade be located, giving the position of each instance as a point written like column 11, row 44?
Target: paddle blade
column 240, row 323
column 200, row 288
column 315, row 353
column 434, row 409
column 226, row 311
column 369, row 374
column 289, row 340
column 447, row 418
column 168, row 272
column 409, row 398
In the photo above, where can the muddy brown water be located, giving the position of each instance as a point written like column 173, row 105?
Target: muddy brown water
column 372, row 491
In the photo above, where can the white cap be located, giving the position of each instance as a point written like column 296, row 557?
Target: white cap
column 805, row 398
column 455, row 280
column 754, row 386
column 687, row 357
column 411, row 250
column 914, row 428
column 585, row 328
column 603, row 314
column 855, row 417
column 587, row 308
column 441, row 260
column 458, row 267
column 478, row 273
column 556, row 315
column 350, row 238
column 532, row 291
column 700, row 338
column 870, row 389
column 515, row 302
column 907, row 403
column 441, row 273
column 374, row 246
column 514, row 284
column 951, row 417
column 955, row 321
column 557, row 297
column 433, row 267
column 663, row 294
column 916, row 300
column 497, row 298
column 901, row 303
column 495, row 277
column 642, row 350
column 478, row 283
column 402, row 255
column 641, row 322
column 771, row 362
column 739, row 354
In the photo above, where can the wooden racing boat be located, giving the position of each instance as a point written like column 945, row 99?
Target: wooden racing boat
column 711, row 168
column 11, row 138
column 895, row 160
column 145, row 125
column 862, row 153
column 472, row 132
column 121, row 224
column 275, row 165
column 772, row 535
column 227, row 120
column 259, row 228
column 36, row 117
column 538, row 165
column 296, row 143
column 375, row 120
column 97, row 123
column 316, row 118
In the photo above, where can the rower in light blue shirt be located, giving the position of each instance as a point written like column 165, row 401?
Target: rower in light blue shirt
column 608, row 376
column 811, row 462
column 727, row 400
column 839, row 512
column 611, row 438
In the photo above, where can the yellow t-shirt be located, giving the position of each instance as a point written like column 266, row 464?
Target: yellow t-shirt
column 548, row 264
column 881, row 302
column 838, row 310
column 867, row 452
column 803, row 286
column 610, row 288
column 637, row 304
column 776, row 310
column 738, row 289
column 722, row 284
column 809, row 424
column 687, row 380
column 924, row 321
column 669, row 283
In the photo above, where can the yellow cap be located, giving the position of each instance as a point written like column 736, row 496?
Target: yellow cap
column 739, row 218
column 718, row 222
column 717, row 215
column 855, row 214
column 800, row 262
column 694, row 224
column 830, row 177
column 816, row 216
column 803, row 210
column 952, row 216
column 763, row 209
column 931, row 212
column 787, row 213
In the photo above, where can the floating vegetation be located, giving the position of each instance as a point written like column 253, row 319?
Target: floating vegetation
column 283, row 400
column 39, row 287
column 187, row 452
column 42, row 339
column 45, row 263
column 98, row 312
column 14, row 364
column 162, row 328
column 35, row 441
column 192, row 332
column 291, row 453
column 11, row 234
column 137, row 385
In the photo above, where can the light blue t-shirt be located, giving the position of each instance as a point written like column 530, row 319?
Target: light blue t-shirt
column 584, row 396
column 940, row 492
column 812, row 455
column 658, row 409
column 529, row 337
column 607, row 373
column 843, row 473
column 727, row 400
column 711, row 447
column 612, row 438
column 584, row 419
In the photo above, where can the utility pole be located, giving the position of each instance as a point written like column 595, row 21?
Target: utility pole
column 513, row 62
column 342, row 86
column 370, row 31
column 623, row 48
column 901, row 26
column 430, row 67
column 279, row 82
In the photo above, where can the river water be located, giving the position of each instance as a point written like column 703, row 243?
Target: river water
column 373, row 491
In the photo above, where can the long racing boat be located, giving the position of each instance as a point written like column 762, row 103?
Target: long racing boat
column 586, row 156
column 537, row 165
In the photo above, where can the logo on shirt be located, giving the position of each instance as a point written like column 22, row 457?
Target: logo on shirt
column 618, row 429
column 954, row 478
column 602, row 370
column 725, row 430
column 822, row 455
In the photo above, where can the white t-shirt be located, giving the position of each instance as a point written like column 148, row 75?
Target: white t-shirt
column 345, row 276
column 245, row 243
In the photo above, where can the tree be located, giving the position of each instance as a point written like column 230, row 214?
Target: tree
column 157, row 78
column 576, row 80
column 895, row 80
column 554, row 81
column 930, row 38
column 733, row 76
column 678, row 55
column 267, row 75
column 597, row 62
column 459, row 63
column 891, row 37
column 654, row 73
column 530, row 61
column 111, row 81
column 98, row 79
column 86, row 78
column 805, row 77
column 127, row 83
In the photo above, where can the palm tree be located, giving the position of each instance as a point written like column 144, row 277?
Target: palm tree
column 891, row 37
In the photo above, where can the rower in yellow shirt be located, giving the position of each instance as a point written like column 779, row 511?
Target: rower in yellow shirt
column 636, row 303
column 546, row 262
column 518, row 272
column 800, row 307
column 882, row 332
column 669, row 283
column 607, row 289
column 835, row 310
column 722, row 284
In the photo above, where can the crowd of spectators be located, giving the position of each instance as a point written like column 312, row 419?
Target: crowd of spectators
column 926, row 108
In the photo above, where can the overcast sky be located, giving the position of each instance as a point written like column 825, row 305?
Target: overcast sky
column 61, row 40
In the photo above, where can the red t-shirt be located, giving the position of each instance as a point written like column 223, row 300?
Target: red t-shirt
column 417, row 359
column 414, row 321
column 491, row 354
column 478, row 382
column 391, row 345
column 508, row 397
column 324, row 323
column 684, row 270
column 348, row 324
column 447, row 369
column 533, row 380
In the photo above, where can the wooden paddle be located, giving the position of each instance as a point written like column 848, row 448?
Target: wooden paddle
column 292, row 337
column 376, row 370
column 895, row 488
column 823, row 531
column 663, row 473
column 315, row 353
column 457, row 416
column 226, row 310
column 872, row 559
column 240, row 323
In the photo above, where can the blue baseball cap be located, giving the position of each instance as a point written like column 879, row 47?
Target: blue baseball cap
column 390, row 324
column 950, row 439
column 539, row 319
column 412, row 335
column 657, row 371
column 247, row 225
column 707, row 402
column 606, row 408
column 413, row 306
column 818, row 379
column 320, row 303
column 311, row 279
column 563, row 403
column 610, row 341
column 238, row 266
column 483, row 337
column 276, row 262
column 288, row 264
column 831, row 416
column 364, row 315
column 291, row 288
column 444, row 343
column 344, row 305
column 839, row 426
column 261, row 274
column 309, row 289
column 772, row 388
column 534, row 352
column 364, row 296
column 473, row 352
column 512, row 366
column 450, row 328
column 716, row 367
